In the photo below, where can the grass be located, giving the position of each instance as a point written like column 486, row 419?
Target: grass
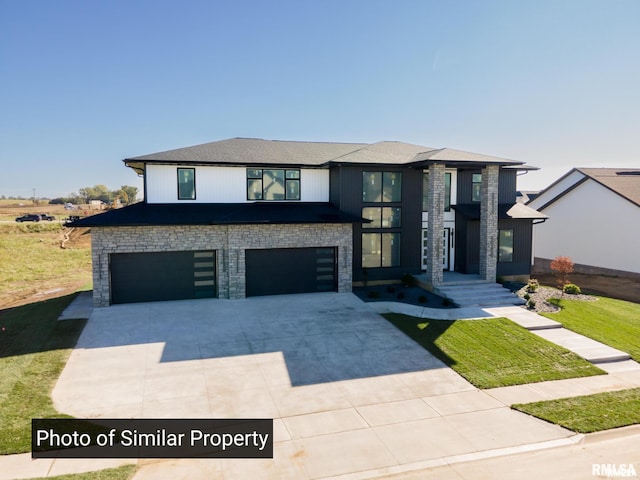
column 34, row 348
column 613, row 322
column 120, row 473
column 590, row 413
column 30, row 255
column 493, row 352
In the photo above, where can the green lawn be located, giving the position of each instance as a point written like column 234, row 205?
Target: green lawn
column 32, row 259
column 493, row 352
column 34, row 348
column 121, row 473
column 590, row 413
column 612, row 322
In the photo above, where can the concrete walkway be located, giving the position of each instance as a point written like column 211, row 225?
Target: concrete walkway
column 351, row 397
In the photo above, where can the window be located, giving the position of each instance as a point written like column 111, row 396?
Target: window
column 382, row 217
column 186, row 184
column 381, row 187
column 505, row 245
column 380, row 250
column 476, row 187
column 273, row 184
column 447, row 192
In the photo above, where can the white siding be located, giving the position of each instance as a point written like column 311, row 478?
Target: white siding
column 314, row 185
column 593, row 226
column 224, row 185
column 556, row 190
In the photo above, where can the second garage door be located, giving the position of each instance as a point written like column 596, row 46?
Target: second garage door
column 279, row 271
column 158, row 276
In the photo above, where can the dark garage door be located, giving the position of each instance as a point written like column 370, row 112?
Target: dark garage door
column 152, row 277
column 290, row 270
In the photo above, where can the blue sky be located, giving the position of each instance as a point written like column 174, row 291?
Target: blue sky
column 88, row 83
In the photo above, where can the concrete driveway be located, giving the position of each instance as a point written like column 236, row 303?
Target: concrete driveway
column 348, row 392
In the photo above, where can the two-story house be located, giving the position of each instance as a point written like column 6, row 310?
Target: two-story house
column 247, row 217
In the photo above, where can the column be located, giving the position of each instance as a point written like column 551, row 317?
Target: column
column 489, row 223
column 435, row 224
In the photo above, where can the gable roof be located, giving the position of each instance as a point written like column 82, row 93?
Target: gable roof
column 624, row 182
column 254, row 151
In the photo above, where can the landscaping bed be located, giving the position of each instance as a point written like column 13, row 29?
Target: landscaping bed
column 412, row 295
column 543, row 298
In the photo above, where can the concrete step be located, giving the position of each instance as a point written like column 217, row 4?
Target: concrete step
column 479, row 294
column 591, row 350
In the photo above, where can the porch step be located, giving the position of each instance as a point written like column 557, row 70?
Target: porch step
column 479, row 294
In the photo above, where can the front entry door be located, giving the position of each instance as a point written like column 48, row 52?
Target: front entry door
column 446, row 249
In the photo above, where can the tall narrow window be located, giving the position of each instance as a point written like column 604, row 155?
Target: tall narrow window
column 186, row 184
column 505, row 245
column 447, row 192
column 476, row 187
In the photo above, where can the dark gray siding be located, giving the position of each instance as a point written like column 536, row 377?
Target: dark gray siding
column 506, row 186
column 522, row 232
column 468, row 250
column 346, row 193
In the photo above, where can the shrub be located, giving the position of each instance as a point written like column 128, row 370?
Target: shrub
column 554, row 301
column 422, row 299
column 391, row 289
column 408, row 280
column 533, row 285
column 572, row 289
column 526, row 296
column 531, row 304
column 400, row 296
column 561, row 268
column 373, row 294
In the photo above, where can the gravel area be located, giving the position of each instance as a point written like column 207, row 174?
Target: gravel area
column 543, row 294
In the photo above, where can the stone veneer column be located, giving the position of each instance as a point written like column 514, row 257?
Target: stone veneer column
column 489, row 223
column 435, row 224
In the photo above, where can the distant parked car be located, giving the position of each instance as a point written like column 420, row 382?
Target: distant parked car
column 48, row 218
column 28, row 218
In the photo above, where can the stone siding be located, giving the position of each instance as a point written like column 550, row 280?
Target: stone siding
column 489, row 223
column 435, row 224
column 229, row 242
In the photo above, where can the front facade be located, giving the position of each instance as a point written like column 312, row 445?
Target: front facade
column 594, row 218
column 248, row 217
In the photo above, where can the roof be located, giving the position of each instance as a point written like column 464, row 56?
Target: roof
column 144, row 214
column 254, row 151
column 624, row 182
column 505, row 211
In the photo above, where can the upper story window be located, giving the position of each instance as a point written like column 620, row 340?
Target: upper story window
column 273, row 184
column 186, row 184
column 379, row 187
column 476, row 187
column 447, row 192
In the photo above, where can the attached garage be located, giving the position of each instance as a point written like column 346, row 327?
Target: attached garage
column 277, row 271
column 158, row 276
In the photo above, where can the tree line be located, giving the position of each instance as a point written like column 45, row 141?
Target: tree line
column 126, row 194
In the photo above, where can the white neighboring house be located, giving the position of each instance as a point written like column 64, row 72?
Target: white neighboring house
column 594, row 218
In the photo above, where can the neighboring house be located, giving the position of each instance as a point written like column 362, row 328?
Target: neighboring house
column 246, row 217
column 594, row 218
